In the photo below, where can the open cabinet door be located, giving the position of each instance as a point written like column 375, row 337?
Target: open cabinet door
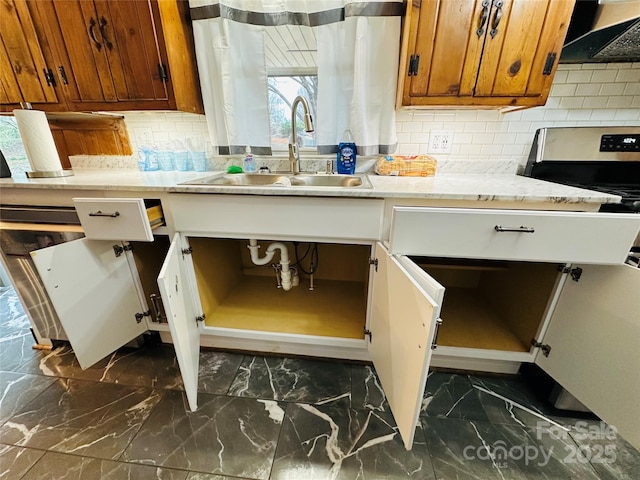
column 94, row 294
column 174, row 289
column 594, row 335
column 402, row 324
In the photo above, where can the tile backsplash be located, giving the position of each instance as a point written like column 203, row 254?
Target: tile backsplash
column 581, row 95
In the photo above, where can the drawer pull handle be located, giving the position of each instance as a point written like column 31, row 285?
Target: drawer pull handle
column 500, row 228
column 100, row 214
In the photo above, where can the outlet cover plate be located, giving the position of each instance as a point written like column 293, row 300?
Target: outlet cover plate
column 440, row 141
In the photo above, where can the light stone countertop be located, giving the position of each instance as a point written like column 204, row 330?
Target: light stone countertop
column 467, row 187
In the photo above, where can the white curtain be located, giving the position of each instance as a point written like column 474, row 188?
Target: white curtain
column 357, row 52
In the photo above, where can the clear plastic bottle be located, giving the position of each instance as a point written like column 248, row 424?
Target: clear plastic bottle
column 346, row 160
column 249, row 161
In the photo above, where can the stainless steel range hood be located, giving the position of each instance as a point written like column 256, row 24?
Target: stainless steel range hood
column 603, row 31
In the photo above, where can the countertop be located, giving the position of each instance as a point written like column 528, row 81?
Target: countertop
column 468, row 187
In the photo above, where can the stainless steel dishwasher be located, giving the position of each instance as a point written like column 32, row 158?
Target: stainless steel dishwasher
column 24, row 229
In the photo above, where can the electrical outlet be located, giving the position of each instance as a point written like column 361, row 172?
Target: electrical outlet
column 440, row 141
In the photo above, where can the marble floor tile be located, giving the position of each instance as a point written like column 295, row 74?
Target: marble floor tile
column 321, row 442
column 16, row 349
column 509, row 400
column 366, row 390
column 16, row 461
column 81, row 417
column 293, row 380
column 451, row 395
column 11, row 312
column 217, row 371
column 226, row 435
column 207, row 476
column 465, row 449
column 610, row 455
column 18, row 389
column 60, row 466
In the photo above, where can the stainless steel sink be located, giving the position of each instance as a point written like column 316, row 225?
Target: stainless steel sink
column 285, row 180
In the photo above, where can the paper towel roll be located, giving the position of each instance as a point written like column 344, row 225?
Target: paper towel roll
column 38, row 140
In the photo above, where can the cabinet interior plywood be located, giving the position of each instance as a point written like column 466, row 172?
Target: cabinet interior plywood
column 333, row 308
column 234, row 293
column 470, row 321
column 149, row 257
column 497, row 305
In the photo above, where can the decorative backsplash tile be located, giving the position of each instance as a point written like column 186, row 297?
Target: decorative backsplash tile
column 581, row 95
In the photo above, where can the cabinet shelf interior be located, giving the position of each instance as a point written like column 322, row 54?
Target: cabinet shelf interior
column 235, row 293
column 496, row 306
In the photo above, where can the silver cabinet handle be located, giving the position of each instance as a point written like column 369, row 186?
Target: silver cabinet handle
column 434, row 343
column 521, row 229
column 158, row 309
column 100, row 214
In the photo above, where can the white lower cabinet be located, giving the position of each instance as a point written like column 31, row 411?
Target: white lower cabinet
column 367, row 300
column 241, row 300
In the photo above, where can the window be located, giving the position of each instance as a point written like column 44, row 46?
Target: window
column 11, row 146
column 283, row 89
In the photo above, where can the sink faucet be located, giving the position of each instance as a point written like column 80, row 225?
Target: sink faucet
column 294, row 155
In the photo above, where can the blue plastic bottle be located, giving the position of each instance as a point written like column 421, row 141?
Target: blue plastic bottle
column 346, row 160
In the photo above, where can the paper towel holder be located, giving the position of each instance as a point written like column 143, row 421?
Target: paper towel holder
column 44, row 173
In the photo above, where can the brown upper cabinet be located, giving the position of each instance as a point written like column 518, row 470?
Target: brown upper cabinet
column 483, row 53
column 24, row 75
column 90, row 55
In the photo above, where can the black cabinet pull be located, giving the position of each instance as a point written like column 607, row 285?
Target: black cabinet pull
column 483, row 18
column 92, row 24
column 49, row 78
column 496, row 19
column 548, row 64
column 105, row 39
column 521, row 229
column 63, row 75
column 99, row 213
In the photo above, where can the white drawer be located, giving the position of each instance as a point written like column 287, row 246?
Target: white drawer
column 246, row 216
column 118, row 218
column 581, row 237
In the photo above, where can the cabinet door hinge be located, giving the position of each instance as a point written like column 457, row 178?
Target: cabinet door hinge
column 575, row 273
column 120, row 249
column 187, row 251
column 374, row 262
column 548, row 64
column 546, row 349
column 434, row 342
column 414, row 61
column 200, row 318
column 49, row 78
column 367, row 333
column 140, row 316
column 162, row 71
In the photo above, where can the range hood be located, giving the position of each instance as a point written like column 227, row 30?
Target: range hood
column 603, row 31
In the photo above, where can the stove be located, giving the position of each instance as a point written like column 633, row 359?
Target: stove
column 605, row 159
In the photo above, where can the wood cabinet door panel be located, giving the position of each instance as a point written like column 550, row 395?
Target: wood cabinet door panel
column 549, row 45
column 132, row 49
column 85, row 49
column 508, row 57
column 448, row 45
column 22, row 62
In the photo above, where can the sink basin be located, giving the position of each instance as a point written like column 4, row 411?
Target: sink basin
column 285, row 179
